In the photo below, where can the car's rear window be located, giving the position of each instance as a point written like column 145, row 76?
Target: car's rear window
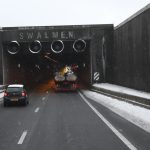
column 14, row 89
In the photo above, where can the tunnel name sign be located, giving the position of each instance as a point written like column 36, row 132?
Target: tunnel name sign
column 30, row 35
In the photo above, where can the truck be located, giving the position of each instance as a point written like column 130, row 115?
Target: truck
column 66, row 79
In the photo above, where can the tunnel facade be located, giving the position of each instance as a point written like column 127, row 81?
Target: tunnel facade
column 33, row 53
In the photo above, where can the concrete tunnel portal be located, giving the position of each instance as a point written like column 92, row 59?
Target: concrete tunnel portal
column 31, row 55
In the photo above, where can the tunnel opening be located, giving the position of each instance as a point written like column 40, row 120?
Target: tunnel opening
column 36, row 63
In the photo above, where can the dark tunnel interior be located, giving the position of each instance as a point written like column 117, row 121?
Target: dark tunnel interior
column 34, row 63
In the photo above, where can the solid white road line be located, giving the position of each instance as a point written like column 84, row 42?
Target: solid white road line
column 37, row 109
column 114, row 130
column 22, row 137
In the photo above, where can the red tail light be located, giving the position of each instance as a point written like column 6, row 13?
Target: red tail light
column 77, row 86
column 5, row 94
column 74, row 86
column 23, row 94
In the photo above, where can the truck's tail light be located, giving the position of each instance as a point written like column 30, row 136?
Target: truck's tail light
column 23, row 94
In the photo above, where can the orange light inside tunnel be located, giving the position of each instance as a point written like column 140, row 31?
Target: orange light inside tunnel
column 65, row 70
column 47, row 86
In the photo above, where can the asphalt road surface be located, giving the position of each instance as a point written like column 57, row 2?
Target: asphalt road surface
column 67, row 121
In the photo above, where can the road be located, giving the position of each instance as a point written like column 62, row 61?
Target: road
column 67, row 121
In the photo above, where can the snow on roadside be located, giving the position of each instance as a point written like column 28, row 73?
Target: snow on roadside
column 137, row 115
column 124, row 90
column 1, row 95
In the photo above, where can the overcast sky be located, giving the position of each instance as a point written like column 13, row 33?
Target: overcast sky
column 67, row 12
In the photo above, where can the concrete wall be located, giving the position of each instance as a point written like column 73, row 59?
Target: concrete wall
column 101, row 47
column 1, row 70
column 131, row 55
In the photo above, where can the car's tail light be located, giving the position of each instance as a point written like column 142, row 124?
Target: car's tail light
column 23, row 94
column 5, row 94
column 74, row 86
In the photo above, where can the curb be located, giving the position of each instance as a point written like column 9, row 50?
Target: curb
column 139, row 101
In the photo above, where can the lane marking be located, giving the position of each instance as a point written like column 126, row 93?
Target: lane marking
column 43, row 98
column 114, row 130
column 22, row 137
column 37, row 109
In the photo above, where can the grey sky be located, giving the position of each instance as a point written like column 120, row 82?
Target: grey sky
column 67, row 12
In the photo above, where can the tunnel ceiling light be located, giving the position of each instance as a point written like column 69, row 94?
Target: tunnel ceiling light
column 35, row 47
column 13, row 47
column 79, row 45
column 57, row 46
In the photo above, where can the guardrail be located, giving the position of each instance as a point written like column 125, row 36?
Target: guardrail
column 140, row 101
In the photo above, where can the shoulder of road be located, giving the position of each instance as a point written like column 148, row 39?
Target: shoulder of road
column 123, row 93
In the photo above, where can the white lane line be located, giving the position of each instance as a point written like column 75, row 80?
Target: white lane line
column 43, row 98
column 114, row 130
column 22, row 137
column 37, row 109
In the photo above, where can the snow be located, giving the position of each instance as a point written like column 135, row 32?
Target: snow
column 1, row 92
column 124, row 90
column 1, row 95
column 137, row 115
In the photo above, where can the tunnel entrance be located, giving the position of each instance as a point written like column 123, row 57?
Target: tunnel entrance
column 33, row 69
column 32, row 55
